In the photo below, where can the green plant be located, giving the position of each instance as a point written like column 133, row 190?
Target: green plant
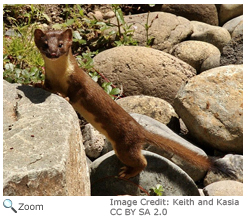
column 124, row 37
column 21, row 15
column 86, row 62
column 13, row 74
column 36, row 13
column 89, row 32
column 157, row 190
column 22, row 61
column 112, row 91
column 149, row 40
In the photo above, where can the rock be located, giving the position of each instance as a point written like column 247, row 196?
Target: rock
column 211, row 106
column 96, row 15
column 233, row 52
column 201, row 192
column 224, row 188
column 232, row 161
column 89, row 162
column 43, row 152
column 108, row 15
column 229, row 11
column 143, row 70
column 175, row 29
column 200, row 55
column 206, row 13
column 153, row 107
column 158, row 171
column 93, row 141
column 232, row 24
column 238, row 31
column 218, row 36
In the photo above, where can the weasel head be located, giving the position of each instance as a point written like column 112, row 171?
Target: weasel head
column 54, row 43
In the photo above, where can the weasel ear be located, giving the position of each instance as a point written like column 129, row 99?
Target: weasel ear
column 38, row 34
column 67, row 34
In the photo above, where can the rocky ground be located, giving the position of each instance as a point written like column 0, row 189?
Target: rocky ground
column 190, row 80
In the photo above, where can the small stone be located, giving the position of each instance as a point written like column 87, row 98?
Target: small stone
column 93, row 141
column 153, row 107
column 108, row 15
column 232, row 24
column 224, row 188
column 229, row 11
column 200, row 55
column 218, row 36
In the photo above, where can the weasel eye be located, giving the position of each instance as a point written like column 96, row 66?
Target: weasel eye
column 60, row 45
column 46, row 45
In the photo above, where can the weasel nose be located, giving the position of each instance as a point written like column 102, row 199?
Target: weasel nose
column 53, row 54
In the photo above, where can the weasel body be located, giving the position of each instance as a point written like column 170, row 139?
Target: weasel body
column 63, row 75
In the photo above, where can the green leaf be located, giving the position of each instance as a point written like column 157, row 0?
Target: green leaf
column 81, row 12
column 46, row 17
column 107, row 87
column 57, row 26
column 25, row 73
column 9, row 66
column 112, row 32
column 94, row 76
column 115, row 91
column 69, row 22
column 101, row 23
column 18, row 72
column 119, row 16
column 77, row 35
column 82, row 42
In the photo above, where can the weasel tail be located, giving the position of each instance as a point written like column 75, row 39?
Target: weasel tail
column 172, row 146
column 204, row 162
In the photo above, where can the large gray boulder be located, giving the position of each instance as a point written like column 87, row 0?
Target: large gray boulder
column 142, row 70
column 206, row 13
column 211, row 106
column 175, row 182
column 43, row 152
column 167, row 29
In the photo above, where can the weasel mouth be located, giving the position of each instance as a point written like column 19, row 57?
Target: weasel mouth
column 52, row 56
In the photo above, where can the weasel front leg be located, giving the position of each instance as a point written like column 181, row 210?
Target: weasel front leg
column 61, row 95
column 46, row 87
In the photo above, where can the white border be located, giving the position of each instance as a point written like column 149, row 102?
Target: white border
column 99, row 207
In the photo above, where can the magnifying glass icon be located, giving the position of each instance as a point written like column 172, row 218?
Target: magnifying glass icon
column 7, row 203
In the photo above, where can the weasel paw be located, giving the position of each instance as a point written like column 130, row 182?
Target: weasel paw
column 123, row 173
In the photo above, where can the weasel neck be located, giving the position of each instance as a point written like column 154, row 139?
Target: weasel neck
column 62, row 66
column 57, row 72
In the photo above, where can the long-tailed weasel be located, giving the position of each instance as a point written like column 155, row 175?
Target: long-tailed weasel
column 63, row 75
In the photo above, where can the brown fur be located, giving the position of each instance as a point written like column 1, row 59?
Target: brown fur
column 126, row 136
